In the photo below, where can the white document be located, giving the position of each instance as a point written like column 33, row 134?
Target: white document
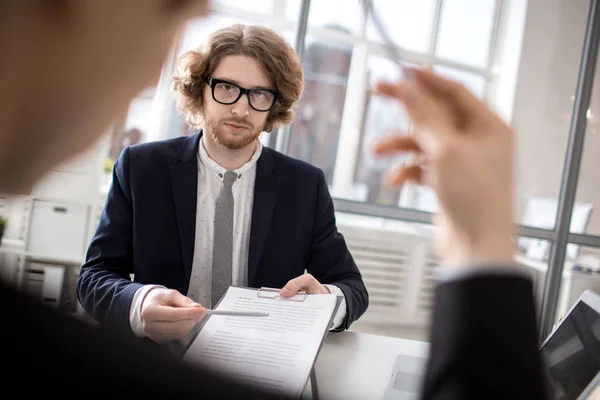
column 275, row 352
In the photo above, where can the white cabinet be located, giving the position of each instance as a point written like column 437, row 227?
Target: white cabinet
column 11, row 265
column 53, row 281
column 58, row 229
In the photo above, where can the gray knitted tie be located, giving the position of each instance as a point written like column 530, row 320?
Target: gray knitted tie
column 223, row 240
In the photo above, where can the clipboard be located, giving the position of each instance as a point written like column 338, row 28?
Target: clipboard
column 272, row 293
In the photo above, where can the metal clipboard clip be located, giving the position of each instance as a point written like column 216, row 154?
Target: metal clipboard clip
column 271, row 293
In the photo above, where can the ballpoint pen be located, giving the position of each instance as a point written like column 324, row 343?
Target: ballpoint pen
column 237, row 313
column 392, row 50
column 396, row 57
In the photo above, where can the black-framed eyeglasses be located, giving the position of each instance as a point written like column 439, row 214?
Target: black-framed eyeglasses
column 226, row 92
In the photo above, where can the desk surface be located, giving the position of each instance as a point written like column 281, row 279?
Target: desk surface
column 355, row 365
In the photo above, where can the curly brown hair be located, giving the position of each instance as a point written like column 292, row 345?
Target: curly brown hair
column 277, row 58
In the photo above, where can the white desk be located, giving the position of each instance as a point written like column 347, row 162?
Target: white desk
column 359, row 366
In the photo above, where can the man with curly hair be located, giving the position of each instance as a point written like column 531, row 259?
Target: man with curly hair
column 191, row 216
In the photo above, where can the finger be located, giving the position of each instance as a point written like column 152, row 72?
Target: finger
column 448, row 90
column 306, row 281
column 431, row 118
column 168, row 330
column 172, row 314
column 399, row 176
column 395, row 144
column 422, row 106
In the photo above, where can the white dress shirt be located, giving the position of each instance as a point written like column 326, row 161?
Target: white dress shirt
column 210, row 183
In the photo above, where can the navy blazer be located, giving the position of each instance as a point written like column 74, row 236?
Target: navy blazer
column 147, row 228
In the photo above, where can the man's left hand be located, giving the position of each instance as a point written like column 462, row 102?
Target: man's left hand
column 305, row 282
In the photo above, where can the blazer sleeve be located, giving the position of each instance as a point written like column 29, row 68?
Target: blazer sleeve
column 331, row 261
column 484, row 341
column 57, row 348
column 104, row 287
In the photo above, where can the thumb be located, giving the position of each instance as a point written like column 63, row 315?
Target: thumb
column 296, row 284
column 287, row 291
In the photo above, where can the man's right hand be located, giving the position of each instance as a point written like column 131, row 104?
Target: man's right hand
column 168, row 315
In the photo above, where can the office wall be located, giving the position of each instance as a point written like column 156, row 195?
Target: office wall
column 547, row 78
column 77, row 180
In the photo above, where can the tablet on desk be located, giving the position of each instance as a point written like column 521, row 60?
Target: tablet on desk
column 406, row 378
column 571, row 353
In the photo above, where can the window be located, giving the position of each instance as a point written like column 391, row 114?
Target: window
column 465, row 31
column 547, row 76
column 410, row 23
column 546, row 70
column 316, row 128
column 329, row 14
column 342, row 150
column 132, row 128
column 257, row 6
column 588, row 189
column 382, row 116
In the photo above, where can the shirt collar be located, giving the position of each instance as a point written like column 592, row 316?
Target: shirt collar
column 218, row 169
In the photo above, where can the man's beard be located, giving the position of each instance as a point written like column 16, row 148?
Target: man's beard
column 217, row 132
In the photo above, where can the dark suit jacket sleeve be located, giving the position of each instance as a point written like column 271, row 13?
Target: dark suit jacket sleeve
column 484, row 341
column 53, row 353
column 104, row 287
column 331, row 262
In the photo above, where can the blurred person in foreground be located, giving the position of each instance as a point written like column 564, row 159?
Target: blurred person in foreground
column 89, row 75
column 483, row 336
column 67, row 69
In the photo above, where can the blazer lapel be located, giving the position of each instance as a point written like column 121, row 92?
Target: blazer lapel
column 266, row 189
column 184, row 184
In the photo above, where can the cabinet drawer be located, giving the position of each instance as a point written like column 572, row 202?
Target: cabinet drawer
column 57, row 229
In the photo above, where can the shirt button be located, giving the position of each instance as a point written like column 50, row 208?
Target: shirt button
column 220, row 175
